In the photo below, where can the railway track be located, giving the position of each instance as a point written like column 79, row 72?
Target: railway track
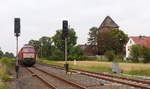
column 41, row 79
column 66, row 82
column 121, row 80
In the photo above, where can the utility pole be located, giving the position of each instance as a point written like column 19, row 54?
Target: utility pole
column 65, row 36
column 17, row 34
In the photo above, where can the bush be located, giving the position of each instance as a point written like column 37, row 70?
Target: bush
column 55, row 58
column 136, row 52
column 110, row 55
column 6, row 67
column 8, row 63
column 82, row 58
column 146, row 55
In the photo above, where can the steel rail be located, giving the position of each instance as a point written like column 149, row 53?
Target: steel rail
column 108, row 75
column 40, row 78
column 62, row 79
column 98, row 75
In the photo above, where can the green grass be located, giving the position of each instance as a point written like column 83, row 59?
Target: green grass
column 88, row 68
column 3, row 86
column 140, row 72
column 130, row 70
column 129, row 76
column 43, row 60
column 91, row 68
column 7, row 66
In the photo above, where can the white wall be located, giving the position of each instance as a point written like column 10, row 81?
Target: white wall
column 128, row 47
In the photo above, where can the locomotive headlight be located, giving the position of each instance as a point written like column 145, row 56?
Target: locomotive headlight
column 28, row 55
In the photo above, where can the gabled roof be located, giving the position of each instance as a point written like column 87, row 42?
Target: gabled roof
column 141, row 40
column 108, row 22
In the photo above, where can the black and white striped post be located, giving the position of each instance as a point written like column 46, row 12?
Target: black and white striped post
column 17, row 34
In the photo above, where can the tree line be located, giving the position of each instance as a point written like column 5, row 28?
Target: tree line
column 53, row 47
column 6, row 54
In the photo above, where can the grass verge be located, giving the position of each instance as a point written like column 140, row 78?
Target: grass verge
column 130, row 70
column 3, row 86
column 6, row 68
column 83, row 67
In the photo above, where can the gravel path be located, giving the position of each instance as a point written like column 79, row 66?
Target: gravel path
column 26, row 81
column 54, row 81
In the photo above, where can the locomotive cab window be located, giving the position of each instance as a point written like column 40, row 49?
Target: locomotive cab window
column 28, row 49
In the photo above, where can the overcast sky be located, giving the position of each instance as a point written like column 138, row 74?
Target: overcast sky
column 43, row 17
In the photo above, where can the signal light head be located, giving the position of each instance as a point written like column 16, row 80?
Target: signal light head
column 17, row 26
column 65, row 29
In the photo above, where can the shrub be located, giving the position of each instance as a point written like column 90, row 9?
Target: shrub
column 110, row 55
column 136, row 52
column 146, row 55
column 55, row 58
column 7, row 65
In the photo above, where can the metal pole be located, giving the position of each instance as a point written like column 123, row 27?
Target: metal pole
column 17, row 51
column 66, row 65
column 17, row 64
column 65, row 50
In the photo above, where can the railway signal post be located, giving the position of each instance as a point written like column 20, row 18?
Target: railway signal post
column 65, row 36
column 17, row 34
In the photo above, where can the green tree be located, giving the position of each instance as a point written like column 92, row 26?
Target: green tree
column 46, row 43
column 110, row 55
column 92, row 40
column 36, row 44
column 10, row 55
column 112, row 40
column 59, row 43
column 1, row 53
column 76, row 53
column 146, row 54
column 136, row 52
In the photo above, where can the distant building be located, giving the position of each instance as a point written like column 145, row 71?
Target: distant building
column 140, row 40
column 107, row 25
column 89, row 50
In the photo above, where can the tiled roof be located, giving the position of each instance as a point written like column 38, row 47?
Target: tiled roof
column 108, row 22
column 141, row 40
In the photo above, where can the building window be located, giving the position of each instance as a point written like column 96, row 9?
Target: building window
column 130, row 41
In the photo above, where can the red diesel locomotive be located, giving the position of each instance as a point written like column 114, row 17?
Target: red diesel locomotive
column 27, row 56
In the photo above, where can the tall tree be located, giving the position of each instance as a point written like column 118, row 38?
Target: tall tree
column 59, row 43
column 112, row 40
column 46, row 43
column 92, row 40
column 36, row 44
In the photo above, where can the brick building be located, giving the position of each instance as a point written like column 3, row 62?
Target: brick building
column 107, row 25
